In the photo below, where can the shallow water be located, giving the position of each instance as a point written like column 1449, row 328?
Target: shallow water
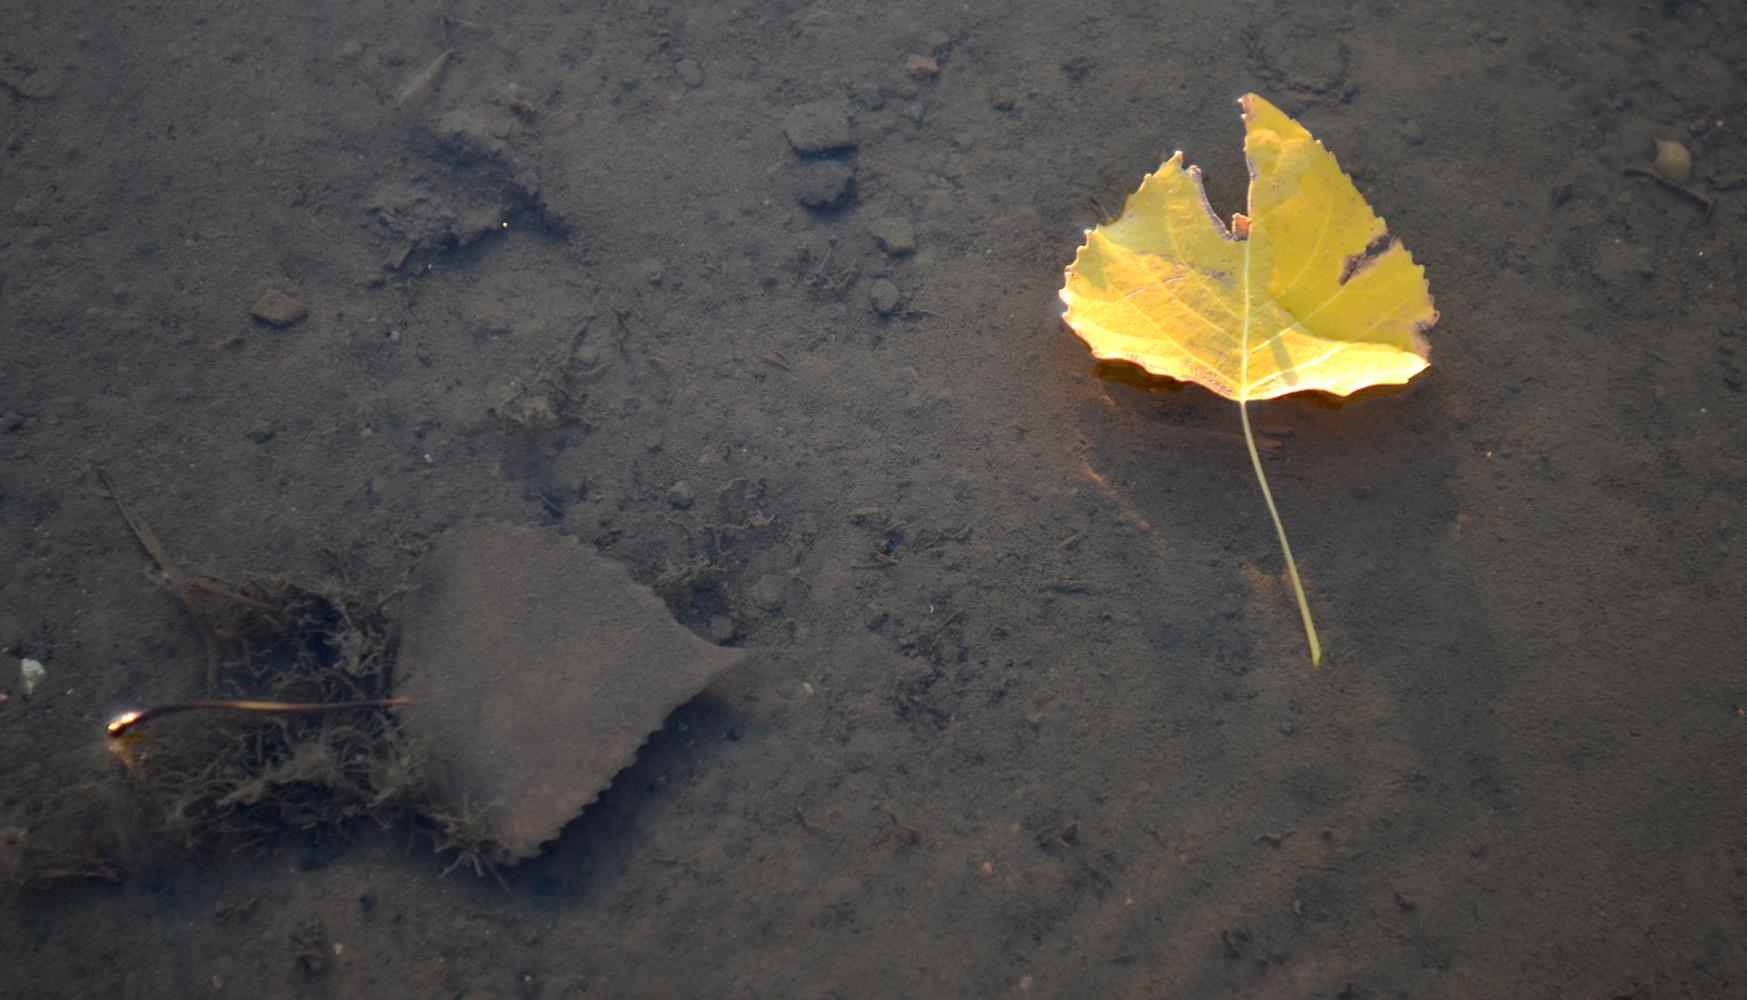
column 1027, row 709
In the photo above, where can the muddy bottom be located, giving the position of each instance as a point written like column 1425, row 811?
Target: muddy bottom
column 761, row 302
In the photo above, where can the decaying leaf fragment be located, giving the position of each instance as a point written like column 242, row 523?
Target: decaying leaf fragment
column 1309, row 291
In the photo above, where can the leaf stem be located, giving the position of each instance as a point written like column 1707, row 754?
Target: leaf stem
column 1243, row 408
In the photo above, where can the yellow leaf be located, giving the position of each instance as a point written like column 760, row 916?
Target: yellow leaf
column 1310, row 291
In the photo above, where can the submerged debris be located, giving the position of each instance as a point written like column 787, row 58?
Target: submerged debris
column 536, row 668
column 206, row 779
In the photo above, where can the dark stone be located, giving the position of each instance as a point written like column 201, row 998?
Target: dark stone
column 819, row 127
column 824, row 185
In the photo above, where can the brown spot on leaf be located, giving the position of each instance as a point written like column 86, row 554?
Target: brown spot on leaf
column 1357, row 263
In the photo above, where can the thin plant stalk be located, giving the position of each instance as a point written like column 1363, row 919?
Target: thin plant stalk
column 1285, row 547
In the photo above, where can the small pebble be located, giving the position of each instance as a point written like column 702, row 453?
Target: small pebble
column 885, row 296
column 868, row 95
column 825, row 185
column 1673, row 162
column 895, row 236
column 30, row 674
column 680, row 495
column 721, row 629
column 819, row 127
column 279, row 309
column 768, row 593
